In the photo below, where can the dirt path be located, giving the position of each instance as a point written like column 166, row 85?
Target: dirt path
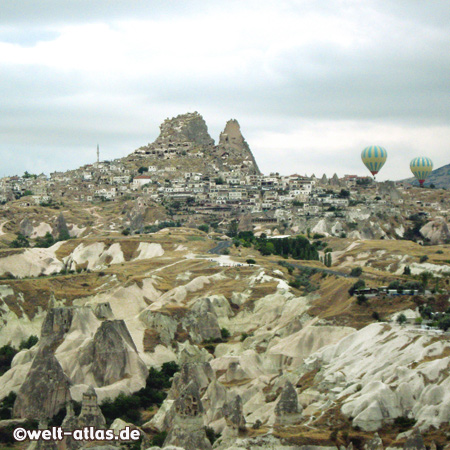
column 1, row 227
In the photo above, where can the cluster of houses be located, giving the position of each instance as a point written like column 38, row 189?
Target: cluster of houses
column 224, row 193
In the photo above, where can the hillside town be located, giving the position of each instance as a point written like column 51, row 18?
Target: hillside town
column 192, row 178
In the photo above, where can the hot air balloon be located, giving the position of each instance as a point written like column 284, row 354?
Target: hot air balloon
column 421, row 167
column 374, row 158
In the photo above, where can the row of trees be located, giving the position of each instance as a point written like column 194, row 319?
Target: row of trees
column 41, row 242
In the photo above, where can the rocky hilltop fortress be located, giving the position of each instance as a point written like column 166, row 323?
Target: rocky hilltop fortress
column 180, row 292
column 186, row 137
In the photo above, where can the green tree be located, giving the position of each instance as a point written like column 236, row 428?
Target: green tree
column 360, row 284
column 401, row 319
column 44, row 242
column 232, row 228
column 20, row 242
column 356, row 272
column 28, row 343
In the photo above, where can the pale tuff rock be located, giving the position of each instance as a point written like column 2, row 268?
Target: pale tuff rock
column 287, row 410
column 56, row 325
column 334, row 181
column 112, row 354
column 187, row 430
column 61, row 226
column 70, row 423
column 202, row 373
column 46, row 387
column 188, row 353
column 234, row 414
column 103, row 311
column 324, row 179
column 389, row 191
column 189, row 127
column 214, row 401
column 164, row 325
column 436, row 231
column 91, row 414
column 41, row 444
column 202, row 322
column 233, row 145
column 415, row 442
column 45, row 390
column 374, row 444
column 26, row 227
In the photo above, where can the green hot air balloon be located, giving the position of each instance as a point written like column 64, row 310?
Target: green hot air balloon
column 421, row 167
column 374, row 158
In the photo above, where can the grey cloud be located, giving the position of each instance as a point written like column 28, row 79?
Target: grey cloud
column 52, row 119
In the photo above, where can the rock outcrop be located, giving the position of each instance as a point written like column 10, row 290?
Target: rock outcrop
column 234, row 414
column 189, row 127
column 46, row 387
column 232, row 146
column 374, row 444
column 287, row 410
column 45, row 390
column 60, row 229
column 415, row 441
column 26, row 227
column 112, row 354
column 187, row 430
column 436, row 231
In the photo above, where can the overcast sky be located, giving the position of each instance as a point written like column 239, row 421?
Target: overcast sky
column 311, row 82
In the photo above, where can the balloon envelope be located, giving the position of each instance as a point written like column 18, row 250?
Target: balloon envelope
column 374, row 158
column 421, row 167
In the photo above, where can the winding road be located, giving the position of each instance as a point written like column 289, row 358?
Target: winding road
column 220, row 247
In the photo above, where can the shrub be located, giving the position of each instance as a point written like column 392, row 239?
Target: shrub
column 30, row 342
column 6, row 406
column 211, row 349
column 211, row 435
column 360, row 284
column 204, row 228
column 20, row 242
column 407, row 270
column 7, row 354
column 126, row 232
column 250, row 261
column 244, row 336
column 423, row 258
column 159, row 438
column 127, row 406
column 401, row 319
column 225, row 333
column 361, row 300
column 356, row 272
column 404, row 423
column 44, row 242
column 376, row 316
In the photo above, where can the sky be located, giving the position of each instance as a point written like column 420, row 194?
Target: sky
column 311, row 83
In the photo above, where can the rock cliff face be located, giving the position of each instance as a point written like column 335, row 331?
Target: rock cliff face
column 287, row 410
column 185, row 140
column 187, row 430
column 110, row 354
column 436, row 231
column 45, row 390
column 185, row 127
column 233, row 146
